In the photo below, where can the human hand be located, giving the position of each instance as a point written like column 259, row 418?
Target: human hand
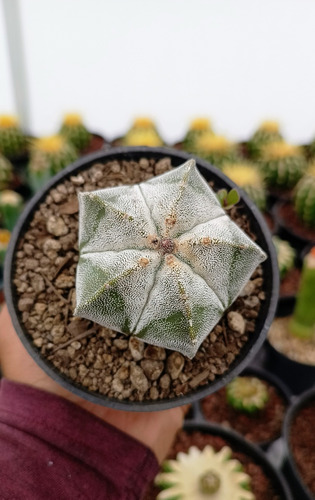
column 154, row 429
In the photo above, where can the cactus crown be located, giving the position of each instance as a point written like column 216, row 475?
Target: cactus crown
column 200, row 474
column 211, row 143
column 247, row 394
column 243, row 174
column 160, row 260
column 143, row 122
column 4, row 241
column 269, row 126
column 200, row 124
column 72, row 119
column 49, row 144
column 280, row 149
column 8, row 121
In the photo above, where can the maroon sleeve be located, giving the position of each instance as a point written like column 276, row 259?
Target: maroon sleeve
column 51, row 449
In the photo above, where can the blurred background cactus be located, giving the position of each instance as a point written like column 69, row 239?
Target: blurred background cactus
column 304, row 200
column 11, row 204
column 6, row 172
column 74, row 131
column 247, row 394
column 216, row 149
column 143, row 132
column 12, row 139
column 197, row 128
column 266, row 133
column 286, row 255
column 247, row 176
column 48, row 155
column 5, row 235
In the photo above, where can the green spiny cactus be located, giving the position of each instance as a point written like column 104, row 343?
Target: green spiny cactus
column 198, row 127
column 142, row 133
column 216, row 149
column 267, row 132
column 302, row 323
column 11, row 205
column 74, row 131
column 4, row 242
column 6, row 172
column 286, row 255
column 160, row 260
column 304, row 200
column 12, row 139
column 247, row 394
column 48, row 156
column 200, row 474
column 247, row 176
column 282, row 165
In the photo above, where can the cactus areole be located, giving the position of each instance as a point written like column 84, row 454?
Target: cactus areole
column 161, row 260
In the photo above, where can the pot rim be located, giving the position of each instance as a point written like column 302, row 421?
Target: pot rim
column 271, row 279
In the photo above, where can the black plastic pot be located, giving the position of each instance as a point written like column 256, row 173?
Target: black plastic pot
column 253, row 371
column 239, row 444
column 299, row 488
column 296, row 239
column 258, row 225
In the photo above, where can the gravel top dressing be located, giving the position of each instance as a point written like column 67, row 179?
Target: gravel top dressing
column 94, row 357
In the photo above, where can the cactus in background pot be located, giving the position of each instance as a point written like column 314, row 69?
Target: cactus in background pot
column 48, row 156
column 4, row 242
column 11, row 205
column 198, row 127
column 6, row 173
column 286, row 255
column 282, row 165
column 247, row 176
column 74, row 131
column 200, row 474
column 304, row 200
column 267, row 132
column 216, row 149
column 247, row 394
column 302, row 323
column 161, row 260
column 142, row 133
column 12, row 139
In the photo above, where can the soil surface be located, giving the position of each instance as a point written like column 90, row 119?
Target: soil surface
column 261, row 485
column 299, row 350
column 302, row 444
column 292, row 222
column 263, row 426
column 99, row 359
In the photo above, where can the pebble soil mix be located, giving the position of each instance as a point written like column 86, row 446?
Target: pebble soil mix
column 89, row 355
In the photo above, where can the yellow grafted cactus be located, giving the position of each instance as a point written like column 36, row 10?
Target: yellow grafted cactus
column 198, row 127
column 247, row 176
column 143, row 133
column 161, row 260
column 266, row 133
column 247, row 394
column 74, row 131
column 216, row 149
column 12, row 139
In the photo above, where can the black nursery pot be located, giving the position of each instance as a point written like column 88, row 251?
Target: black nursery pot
column 296, row 239
column 296, row 482
column 258, row 226
column 239, row 444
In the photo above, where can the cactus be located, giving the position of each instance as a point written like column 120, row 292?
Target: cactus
column 267, row 132
column 227, row 198
column 216, row 149
column 74, row 131
column 6, row 172
column 200, row 474
column 247, row 394
column 4, row 241
column 282, row 165
column 304, row 200
column 11, row 204
column 302, row 323
column 286, row 255
column 198, row 127
column 247, row 176
column 48, row 156
column 142, row 133
column 160, row 260
column 12, row 139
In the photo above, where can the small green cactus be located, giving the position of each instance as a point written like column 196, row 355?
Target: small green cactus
column 11, row 205
column 142, row 133
column 267, row 132
column 304, row 200
column 216, row 149
column 200, row 474
column 161, row 260
column 48, row 156
column 286, row 255
column 74, row 131
column 227, row 198
column 12, row 139
column 198, row 127
column 247, row 176
column 302, row 323
column 247, row 394
column 4, row 242
column 282, row 165
column 6, row 172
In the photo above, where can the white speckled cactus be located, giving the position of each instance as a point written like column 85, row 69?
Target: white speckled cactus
column 161, row 260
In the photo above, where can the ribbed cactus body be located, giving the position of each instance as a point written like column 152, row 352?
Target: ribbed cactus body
column 216, row 149
column 302, row 323
column 247, row 176
column 197, row 128
column 282, row 165
column 304, row 200
column 75, row 131
column 142, row 133
column 247, row 394
column 6, row 172
column 12, row 139
column 267, row 133
column 48, row 156
column 161, row 260
column 11, row 204
column 286, row 255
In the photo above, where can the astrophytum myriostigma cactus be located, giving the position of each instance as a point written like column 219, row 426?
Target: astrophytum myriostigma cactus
column 160, row 260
